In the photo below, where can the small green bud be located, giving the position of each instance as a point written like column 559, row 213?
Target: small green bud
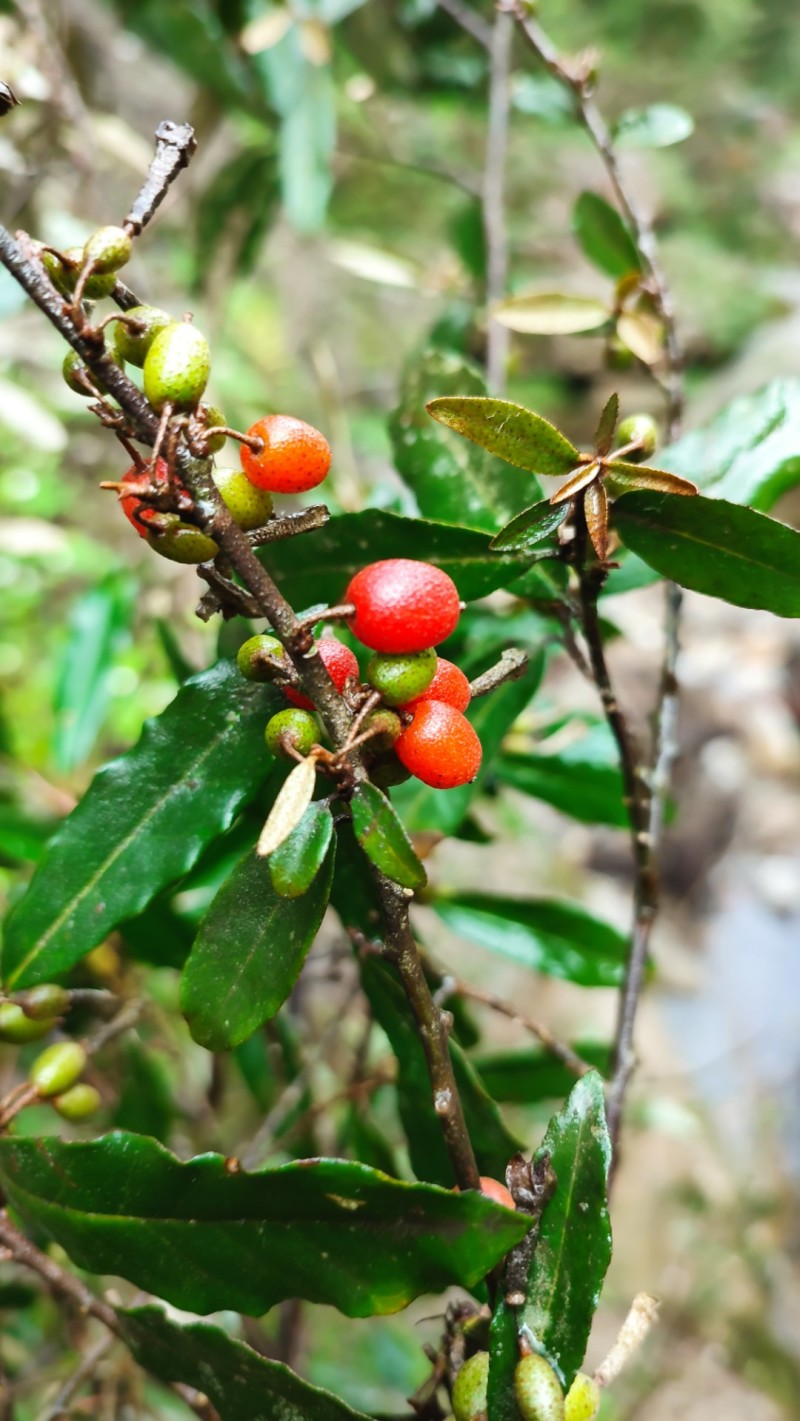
column 250, row 506
column 108, row 249
column 58, row 1068
column 134, row 341
column 78, row 1103
column 212, row 415
column 250, row 654
column 583, row 1399
column 44, row 1002
column 18, row 1028
column 98, row 285
column 298, row 727
column 471, row 1387
column 643, row 429
column 177, row 367
column 183, row 543
column 538, row 1390
column 401, row 677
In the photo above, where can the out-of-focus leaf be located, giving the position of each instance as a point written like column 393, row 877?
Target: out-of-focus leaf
column 383, row 838
column 582, row 779
column 206, row 1238
column 363, row 1141
column 643, row 334
column 159, row 935
column 468, row 236
column 603, row 236
column 510, row 431
column 98, row 625
column 294, row 866
column 542, row 96
column 304, row 96
column 657, row 126
column 191, row 35
column 145, row 1105
column 526, row 1077
column 143, row 822
column 546, row 935
column 715, row 547
column 373, row 264
column 353, row 894
column 22, row 835
column 551, row 313
column 238, row 202
column 532, row 526
column 179, row 664
column 750, row 452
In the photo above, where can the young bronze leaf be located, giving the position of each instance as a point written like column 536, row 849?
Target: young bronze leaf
column 595, row 508
column 513, row 433
column 580, row 479
column 606, row 425
column 632, row 476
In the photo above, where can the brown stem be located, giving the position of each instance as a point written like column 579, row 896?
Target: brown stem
column 558, row 1049
column 469, row 20
column 512, row 666
column 175, row 145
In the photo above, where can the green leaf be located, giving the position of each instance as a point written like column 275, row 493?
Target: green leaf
column 192, row 37
column 603, row 236
column 249, row 953
column 530, row 527
column 657, row 126
column 510, row 431
column 295, row 864
column 99, row 623
column 544, row 934
column 22, row 835
column 526, row 1077
column 306, row 145
column 205, row 1238
column 715, row 547
column 383, row 838
column 315, row 571
column 504, row 1355
column 241, row 1384
column 551, row 313
column 143, row 822
column 236, row 206
column 451, row 479
column 145, row 1105
column 573, row 1249
column 582, row 779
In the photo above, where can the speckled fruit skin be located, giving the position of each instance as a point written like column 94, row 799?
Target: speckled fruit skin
column 295, row 457
column 183, row 543
column 73, row 367
column 108, row 249
column 440, row 746
column 385, row 728
column 213, row 415
column 643, row 428
column 177, row 367
column 133, row 346
column 471, row 1387
column 449, row 684
column 58, row 1067
column 582, row 1401
column 134, row 509
column 78, row 1103
column 98, row 285
column 402, row 605
column 298, row 726
column 401, row 678
column 18, row 1028
column 339, row 662
column 248, row 657
column 537, row 1390
column 250, row 506
column 44, row 1002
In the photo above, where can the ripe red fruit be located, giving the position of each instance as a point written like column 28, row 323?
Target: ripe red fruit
column 402, row 605
column 440, row 746
column 449, row 684
column 496, row 1191
column 137, row 512
column 295, row 456
column 338, row 661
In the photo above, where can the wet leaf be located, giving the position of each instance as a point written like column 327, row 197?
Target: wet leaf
column 551, row 313
column 513, row 433
column 530, row 527
column 294, row 865
column 383, row 838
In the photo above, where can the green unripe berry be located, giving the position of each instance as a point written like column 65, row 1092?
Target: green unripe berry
column 249, row 657
column 134, row 341
column 250, row 506
column 471, row 1387
column 76, row 373
column 56, row 271
column 643, row 429
column 538, row 1390
column 401, row 677
column 177, row 367
column 58, row 1068
column 183, row 543
column 78, row 1103
column 44, row 1002
column 108, row 249
column 384, row 728
column 582, row 1400
column 212, row 415
column 297, row 727
column 18, row 1028
column 98, row 285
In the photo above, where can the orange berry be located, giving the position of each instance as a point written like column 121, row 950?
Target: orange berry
column 402, row 605
column 137, row 512
column 295, row 456
column 497, row 1192
column 339, row 663
column 440, row 746
column 449, row 684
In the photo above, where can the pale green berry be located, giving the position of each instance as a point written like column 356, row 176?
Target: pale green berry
column 403, row 676
column 108, row 249
column 44, row 1002
column 537, row 1390
column 58, row 1068
column 18, row 1028
column 177, row 367
column 99, row 284
column 76, row 373
column 134, row 341
column 470, row 1390
column 250, row 657
column 249, row 506
column 212, row 415
column 582, row 1401
column 384, row 728
column 643, row 429
column 79, row 1102
column 297, row 727
column 183, row 543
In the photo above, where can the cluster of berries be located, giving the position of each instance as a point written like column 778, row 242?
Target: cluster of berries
column 401, row 610
column 55, row 1074
column 537, row 1391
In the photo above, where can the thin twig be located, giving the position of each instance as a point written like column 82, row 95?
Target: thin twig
column 454, row 986
column 512, row 666
column 469, row 20
column 59, row 1406
column 494, row 199
column 175, row 145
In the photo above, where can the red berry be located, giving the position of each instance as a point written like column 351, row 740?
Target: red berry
column 137, row 512
column 449, row 684
column 402, row 605
column 496, row 1191
column 338, row 661
column 295, row 456
column 440, row 746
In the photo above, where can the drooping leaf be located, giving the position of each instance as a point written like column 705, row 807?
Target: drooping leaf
column 383, row 838
column 546, row 935
column 452, row 479
column 603, row 236
column 241, row 1384
column 607, row 423
column 513, row 433
column 657, row 126
column 143, row 822
column 551, row 313
column 715, row 547
column 249, row 953
column 532, row 526
column 582, row 779
column 643, row 334
column 295, row 864
column 99, row 623
column 204, row 1237
column 527, row 1076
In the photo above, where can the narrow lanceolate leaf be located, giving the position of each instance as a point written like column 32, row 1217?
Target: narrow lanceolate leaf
column 595, row 510
column 528, row 1076
column 503, row 1358
column 241, row 1384
column 633, row 476
column 607, row 423
column 249, row 953
column 643, row 334
column 513, row 433
column 99, row 623
column 533, row 525
column 295, row 864
column 544, row 934
column 383, row 838
column 573, row 1249
column 715, row 547
column 143, row 822
column 551, row 313
column 604, row 237
column 580, row 479
column 205, row 1237
column 289, row 807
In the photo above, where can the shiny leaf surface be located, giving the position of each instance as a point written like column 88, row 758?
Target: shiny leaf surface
column 294, row 866
column 532, row 526
column 750, row 452
column 383, row 838
column 510, row 431
column 546, row 935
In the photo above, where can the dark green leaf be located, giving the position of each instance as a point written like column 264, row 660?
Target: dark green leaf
column 295, row 864
column 143, row 822
column 657, row 126
column 526, row 1077
column 607, row 423
column 159, row 935
column 582, row 779
column 504, row 1354
column 99, row 624
column 573, row 1249
column 544, row 934
column 603, row 236
column 241, row 1384
column 533, row 525
column 715, row 547
column 178, row 663
column 750, row 452
column 314, row 571
column 362, row 1140
column 452, row 480
column 383, row 838
column 145, row 1105
column 353, row 894
column 206, row 1238
column 249, row 953
column 510, row 431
